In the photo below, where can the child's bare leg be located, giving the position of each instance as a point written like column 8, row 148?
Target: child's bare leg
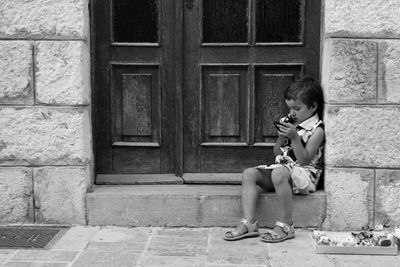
column 252, row 178
column 281, row 180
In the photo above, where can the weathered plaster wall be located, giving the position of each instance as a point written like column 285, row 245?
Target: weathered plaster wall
column 45, row 128
column 361, row 79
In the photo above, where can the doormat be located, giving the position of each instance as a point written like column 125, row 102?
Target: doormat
column 27, row 237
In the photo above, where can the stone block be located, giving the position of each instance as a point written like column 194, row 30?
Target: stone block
column 191, row 205
column 16, row 72
column 349, row 71
column 362, row 18
column 42, row 19
column 387, row 200
column 389, row 72
column 16, row 200
column 60, row 194
column 350, row 198
column 63, row 73
column 44, row 136
column 362, row 136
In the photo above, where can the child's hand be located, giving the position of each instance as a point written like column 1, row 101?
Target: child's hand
column 288, row 130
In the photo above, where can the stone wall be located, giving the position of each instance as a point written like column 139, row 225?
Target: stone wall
column 361, row 79
column 45, row 128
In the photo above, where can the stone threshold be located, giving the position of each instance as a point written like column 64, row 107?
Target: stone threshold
column 191, row 206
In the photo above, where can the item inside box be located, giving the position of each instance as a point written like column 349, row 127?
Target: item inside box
column 377, row 237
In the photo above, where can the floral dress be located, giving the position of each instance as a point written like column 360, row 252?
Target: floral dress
column 304, row 178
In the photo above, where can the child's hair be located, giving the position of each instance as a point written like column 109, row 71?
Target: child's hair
column 309, row 91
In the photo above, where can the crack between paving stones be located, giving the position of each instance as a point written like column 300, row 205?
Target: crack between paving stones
column 139, row 262
column 269, row 255
column 75, row 259
column 9, row 257
column 208, row 242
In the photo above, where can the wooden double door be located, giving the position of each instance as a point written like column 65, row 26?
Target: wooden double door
column 188, row 87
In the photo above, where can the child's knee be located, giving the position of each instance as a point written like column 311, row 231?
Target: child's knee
column 280, row 175
column 249, row 175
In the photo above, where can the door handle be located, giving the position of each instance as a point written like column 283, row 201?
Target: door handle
column 189, row 4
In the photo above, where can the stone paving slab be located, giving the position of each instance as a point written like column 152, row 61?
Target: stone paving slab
column 107, row 259
column 298, row 252
column 198, row 247
column 5, row 254
column 118, row 238
column 44, row 255
column 76, row 239
column 34, row 264
column 365, row 261
column 247, row 251
column 179, row 242
column 152, row 261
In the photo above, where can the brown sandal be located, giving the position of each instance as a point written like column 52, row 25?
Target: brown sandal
column 243, row 230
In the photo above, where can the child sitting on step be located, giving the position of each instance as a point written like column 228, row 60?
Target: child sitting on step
column 298, row 167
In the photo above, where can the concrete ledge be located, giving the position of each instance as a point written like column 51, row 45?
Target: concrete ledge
column 191, row 205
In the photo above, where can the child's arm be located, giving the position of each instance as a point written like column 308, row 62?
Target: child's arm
column 304, row 154
column 278, row 144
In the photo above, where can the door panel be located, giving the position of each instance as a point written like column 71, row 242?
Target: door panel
column 223, row 104
column 279, row 21
column 136, row 105
column 225, row 21
column 270, row 84
column 144, row 14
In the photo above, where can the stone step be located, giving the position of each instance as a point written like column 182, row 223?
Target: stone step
column 191, row 205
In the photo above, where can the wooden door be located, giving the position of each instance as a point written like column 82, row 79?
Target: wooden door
column 185, row 87
column 239, row 56
column 134, row 87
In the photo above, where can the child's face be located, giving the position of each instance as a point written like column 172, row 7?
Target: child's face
column 299, row 111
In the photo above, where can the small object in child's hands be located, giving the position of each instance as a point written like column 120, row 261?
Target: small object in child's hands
column 276, row 124
column 288, row 119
